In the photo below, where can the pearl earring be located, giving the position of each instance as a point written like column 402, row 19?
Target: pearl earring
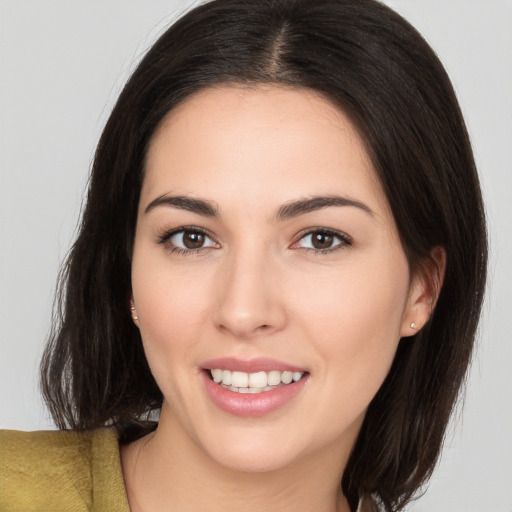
column 413, row 326
column 134, row 313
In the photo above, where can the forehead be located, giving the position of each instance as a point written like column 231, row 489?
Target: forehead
column 266, row 142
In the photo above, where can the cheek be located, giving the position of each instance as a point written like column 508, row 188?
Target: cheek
column 364, row 299
column 354, row 322
column 171, row 306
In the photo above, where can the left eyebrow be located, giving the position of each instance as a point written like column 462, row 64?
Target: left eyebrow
column 199, row 206
column 311, row 204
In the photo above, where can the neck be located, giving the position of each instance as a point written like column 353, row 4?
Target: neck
column 167, row 472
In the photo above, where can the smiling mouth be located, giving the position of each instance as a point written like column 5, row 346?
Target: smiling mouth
column 253, row 383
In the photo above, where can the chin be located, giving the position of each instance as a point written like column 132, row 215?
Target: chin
column 246, row 457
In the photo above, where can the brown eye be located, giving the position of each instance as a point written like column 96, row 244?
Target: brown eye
column 322, row 240
column 189, row 240
column 193, row 240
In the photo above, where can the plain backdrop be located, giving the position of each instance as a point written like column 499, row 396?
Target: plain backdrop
column 62, row 65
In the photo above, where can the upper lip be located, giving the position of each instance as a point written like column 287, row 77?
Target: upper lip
column 258, row 364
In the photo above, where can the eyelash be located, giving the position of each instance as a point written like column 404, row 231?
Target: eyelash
column 344, row 238
column 165, row 237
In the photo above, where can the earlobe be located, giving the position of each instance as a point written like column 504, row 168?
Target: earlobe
column 133, row 310
column 424, row 291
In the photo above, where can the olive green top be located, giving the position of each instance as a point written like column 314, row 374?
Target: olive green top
column 61, row 471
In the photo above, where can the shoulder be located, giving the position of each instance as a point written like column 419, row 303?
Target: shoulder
column 54, row 470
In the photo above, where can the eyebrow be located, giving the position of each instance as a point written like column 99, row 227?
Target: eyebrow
column 199, row 206
column 303, row 206
column 287, row 211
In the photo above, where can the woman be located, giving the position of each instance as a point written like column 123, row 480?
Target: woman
column 283, row 251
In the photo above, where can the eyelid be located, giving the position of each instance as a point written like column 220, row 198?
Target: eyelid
column 165, row 237
column 346, row 240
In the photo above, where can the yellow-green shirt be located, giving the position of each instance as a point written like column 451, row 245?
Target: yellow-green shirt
column 61, row 471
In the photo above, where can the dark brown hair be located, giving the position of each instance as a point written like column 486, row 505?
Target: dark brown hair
column 377, row 68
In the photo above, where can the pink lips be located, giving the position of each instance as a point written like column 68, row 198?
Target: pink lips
column 251, row 405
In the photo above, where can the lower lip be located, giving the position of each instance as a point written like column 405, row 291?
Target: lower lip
column 252, row 405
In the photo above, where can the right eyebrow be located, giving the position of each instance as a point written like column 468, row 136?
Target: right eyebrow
column 300, row 207
column 199, row 206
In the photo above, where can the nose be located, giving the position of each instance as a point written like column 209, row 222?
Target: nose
column 251, row 300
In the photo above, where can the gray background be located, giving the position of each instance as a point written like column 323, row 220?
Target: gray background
column 62, row 65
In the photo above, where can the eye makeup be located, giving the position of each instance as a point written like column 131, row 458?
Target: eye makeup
column 187, row 240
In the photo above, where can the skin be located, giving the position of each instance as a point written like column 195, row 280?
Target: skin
column 258, row 289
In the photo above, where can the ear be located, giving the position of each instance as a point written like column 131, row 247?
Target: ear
column 133, row 310
column 426, row 284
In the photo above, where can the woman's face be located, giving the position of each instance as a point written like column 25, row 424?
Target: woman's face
column 266, row 251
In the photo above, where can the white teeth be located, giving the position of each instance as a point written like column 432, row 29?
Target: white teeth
column 286, row 377
column 257, row 382
column 239, row 379
column 226, row 377
column 249, row 391
column 274, row 378
column 217, row 375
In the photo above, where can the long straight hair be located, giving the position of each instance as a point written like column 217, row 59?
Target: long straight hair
column 375, row 67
